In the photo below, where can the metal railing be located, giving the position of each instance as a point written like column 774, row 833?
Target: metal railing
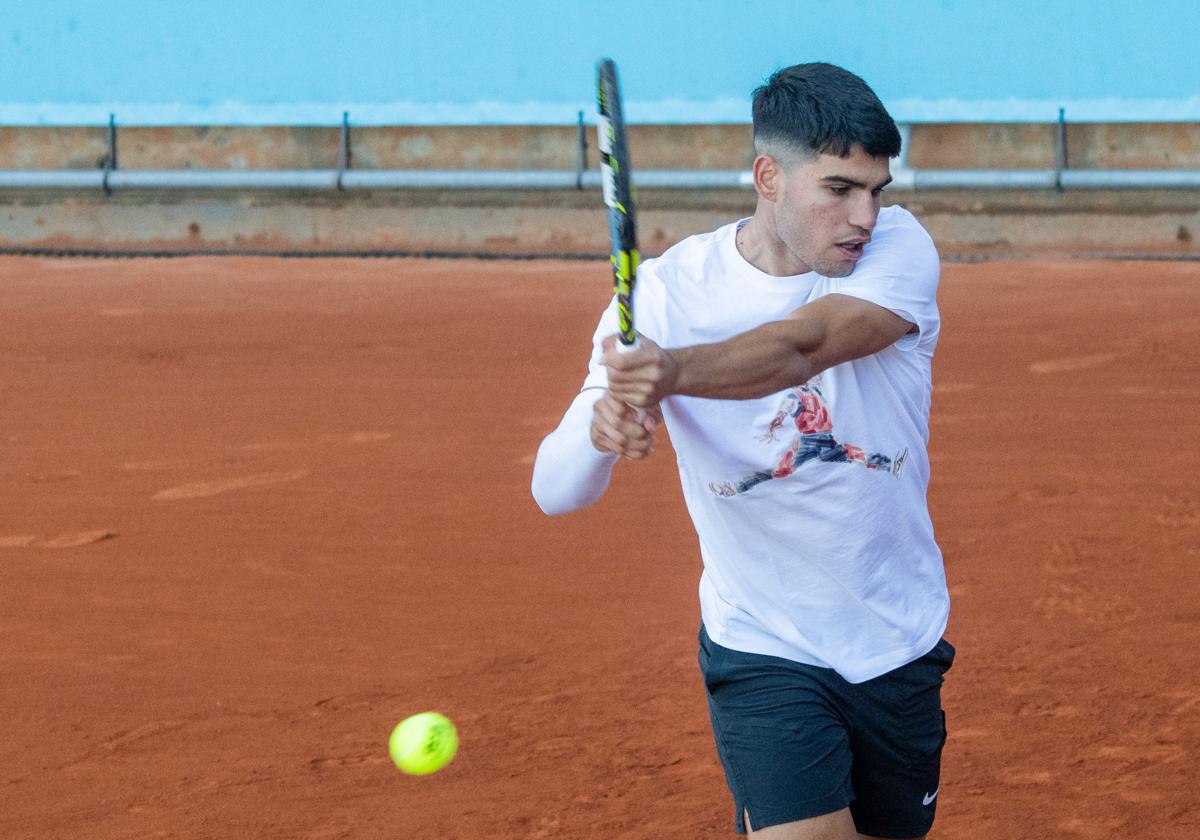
column 344, row 178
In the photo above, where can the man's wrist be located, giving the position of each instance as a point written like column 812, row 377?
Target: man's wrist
column 679, row 364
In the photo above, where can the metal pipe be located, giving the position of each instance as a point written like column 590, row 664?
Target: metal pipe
column 343, row 160
column 110, row 159
column 458, row 179
column 581, row 164
column 1136, row 179
column 905, row 138
column 985, row 179
column 226, row 179
column 1060, row 150
column 701, row 179
column 52, row 179
column 461, row 179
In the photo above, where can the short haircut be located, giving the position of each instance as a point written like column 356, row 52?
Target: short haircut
column 818, row 108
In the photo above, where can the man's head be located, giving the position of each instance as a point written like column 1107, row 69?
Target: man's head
column 812, row 109
column 822, row 141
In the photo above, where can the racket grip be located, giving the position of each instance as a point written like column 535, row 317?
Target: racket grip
column 622, row 347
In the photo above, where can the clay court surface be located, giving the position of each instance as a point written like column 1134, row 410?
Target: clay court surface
column 255, row 511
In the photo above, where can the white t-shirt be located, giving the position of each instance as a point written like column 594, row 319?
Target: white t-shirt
column 810, row 504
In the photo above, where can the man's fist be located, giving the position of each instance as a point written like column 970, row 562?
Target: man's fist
column 617, row 428
column 640, row 377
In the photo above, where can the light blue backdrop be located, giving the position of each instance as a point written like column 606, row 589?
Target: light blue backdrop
column 531, row 61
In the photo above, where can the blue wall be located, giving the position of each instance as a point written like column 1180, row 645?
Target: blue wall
column 531, row 61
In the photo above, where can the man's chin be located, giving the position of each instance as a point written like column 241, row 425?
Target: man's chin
column 841, row 268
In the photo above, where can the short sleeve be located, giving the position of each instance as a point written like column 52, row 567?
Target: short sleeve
column 899, row 271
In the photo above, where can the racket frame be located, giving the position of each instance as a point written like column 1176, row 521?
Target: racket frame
column 616, row 178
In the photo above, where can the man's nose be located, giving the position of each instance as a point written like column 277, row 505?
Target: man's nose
column 865, row 212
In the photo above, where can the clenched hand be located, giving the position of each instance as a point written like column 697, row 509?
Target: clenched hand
column 616, row 427
column 641, row 377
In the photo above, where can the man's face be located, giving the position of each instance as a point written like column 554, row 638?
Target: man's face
column 826, row 207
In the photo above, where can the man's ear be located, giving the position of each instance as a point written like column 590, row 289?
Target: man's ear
column 767, row 176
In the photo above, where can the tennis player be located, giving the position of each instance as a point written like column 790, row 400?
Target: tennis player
column 767, row 346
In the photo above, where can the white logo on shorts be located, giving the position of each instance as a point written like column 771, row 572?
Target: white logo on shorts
column 929, row 797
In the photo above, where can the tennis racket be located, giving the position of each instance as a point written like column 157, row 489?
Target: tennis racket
column 615, row 177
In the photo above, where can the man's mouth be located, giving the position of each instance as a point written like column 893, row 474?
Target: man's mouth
column 852, row 248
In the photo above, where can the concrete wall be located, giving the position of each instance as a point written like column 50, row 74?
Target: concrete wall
column 372, row 147
column 717, row 146
column 966, row 224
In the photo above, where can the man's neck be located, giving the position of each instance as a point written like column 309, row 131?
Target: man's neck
column 760, row 245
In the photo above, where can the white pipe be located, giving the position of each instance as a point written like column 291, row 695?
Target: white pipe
column 905, row 139
column 1117, row 179
column 456, row 179
column 223, row 179
column 1003, row 179
column 41, row 179
column 462, row 179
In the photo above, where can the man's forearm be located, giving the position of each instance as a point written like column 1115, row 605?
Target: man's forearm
column 762, row 361
column 569, row 473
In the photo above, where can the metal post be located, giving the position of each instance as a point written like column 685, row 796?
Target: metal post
column 110, row 159
column 343, row 161
column 581, row 154
column 1060, row 150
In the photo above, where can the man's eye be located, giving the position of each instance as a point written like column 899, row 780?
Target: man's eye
column 839, row 190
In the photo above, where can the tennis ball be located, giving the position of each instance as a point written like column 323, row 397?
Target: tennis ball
column 423, row 744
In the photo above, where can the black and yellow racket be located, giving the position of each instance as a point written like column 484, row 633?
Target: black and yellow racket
column 616, row 179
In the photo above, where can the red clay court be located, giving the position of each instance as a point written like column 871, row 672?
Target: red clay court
column 255, row 511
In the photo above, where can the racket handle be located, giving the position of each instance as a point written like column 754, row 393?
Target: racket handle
column 622, row 347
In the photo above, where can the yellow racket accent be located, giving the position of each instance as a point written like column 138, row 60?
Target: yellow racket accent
column 625, row 266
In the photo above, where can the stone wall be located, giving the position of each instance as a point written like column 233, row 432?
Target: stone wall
column 966, row 224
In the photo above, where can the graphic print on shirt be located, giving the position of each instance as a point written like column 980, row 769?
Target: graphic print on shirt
column 805, row 408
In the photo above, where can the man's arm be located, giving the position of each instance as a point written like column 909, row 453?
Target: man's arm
column 777, row 355
column 574, row 463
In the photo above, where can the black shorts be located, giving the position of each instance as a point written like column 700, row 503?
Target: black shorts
column 798, row 741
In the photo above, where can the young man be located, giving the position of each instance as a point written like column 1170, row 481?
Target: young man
column 780, row 351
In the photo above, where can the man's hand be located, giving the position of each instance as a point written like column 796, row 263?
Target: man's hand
column 616, row 428
column 640, row 377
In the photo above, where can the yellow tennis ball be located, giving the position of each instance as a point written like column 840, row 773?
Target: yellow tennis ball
column 423, row 744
